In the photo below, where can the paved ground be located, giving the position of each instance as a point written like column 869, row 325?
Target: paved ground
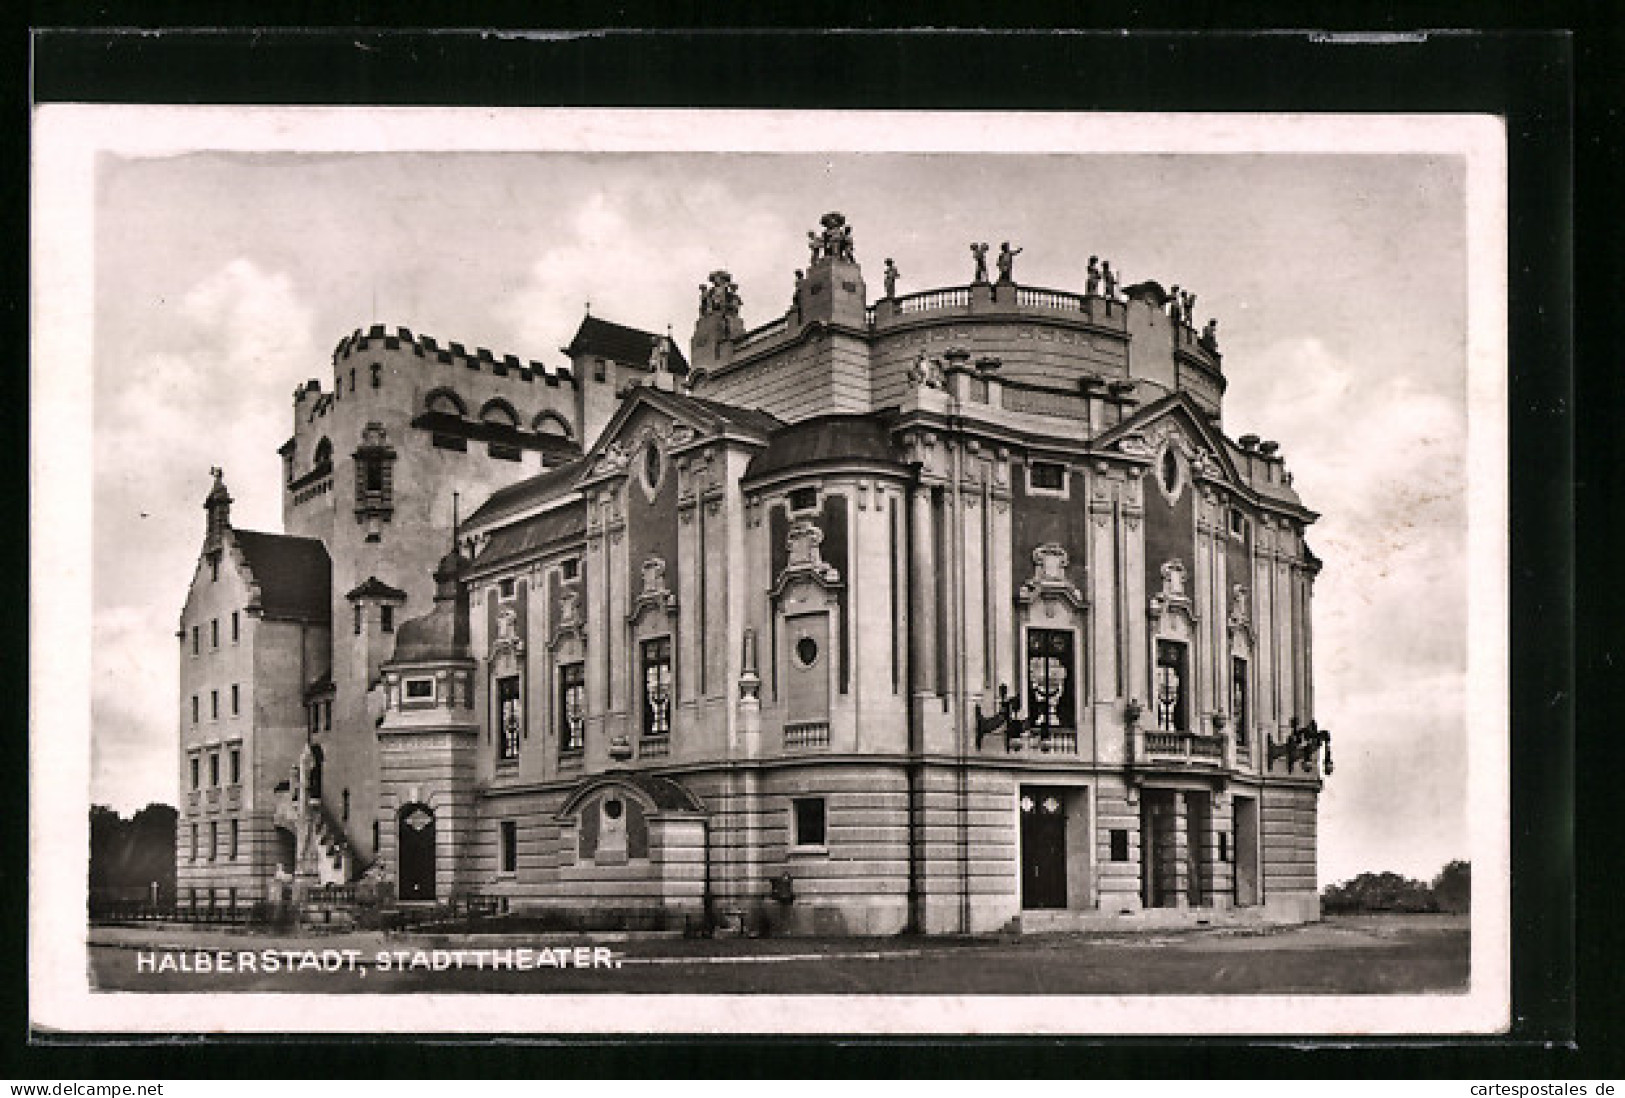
column 1351, row 955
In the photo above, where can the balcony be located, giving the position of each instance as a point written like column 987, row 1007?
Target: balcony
column 806, row 734
column 1159, row 747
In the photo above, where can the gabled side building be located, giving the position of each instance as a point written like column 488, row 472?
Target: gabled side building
column 948, row 612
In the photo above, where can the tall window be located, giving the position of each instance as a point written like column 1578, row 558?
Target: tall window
column 197, row 766
column 657, row 686
column 236, row 628
column 194, row 842
column 236, row 766
column 509, row 717
column 214, row 769
column 233, row 848
column 214, row 705
column 194, row 640
column 386, row 618
column 510, row 846
column 235, row 699
column 572, row 706
column 214, row 839
column 1238, row 696
column 1050, row 692
column 358, row 619
column 1171, row 686
column 214, row 633
column 345, row 812
column 194, row 709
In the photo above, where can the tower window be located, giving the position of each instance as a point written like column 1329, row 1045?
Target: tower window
column 358, row 619
column 386, row 616
column 214, row 705
column 194, row 709
column 236, row 628
column 344, row 813
column 194, row 640
column 236, row 707
column 196, row 766
column 214, row 633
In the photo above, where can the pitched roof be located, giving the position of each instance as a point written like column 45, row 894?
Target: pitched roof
column 374, row 588
column 751, row 419
column 825, row 438
column 513, row 498
column 536, row 532
column 294, row 574
column 631, row 346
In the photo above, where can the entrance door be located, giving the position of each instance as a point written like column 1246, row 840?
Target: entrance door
column 1246, row 828
column 1043, row 847
column 1159, row 852
column 417, row 852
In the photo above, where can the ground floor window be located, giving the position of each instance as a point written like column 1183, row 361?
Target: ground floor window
column 510, row 846
column 809, row 821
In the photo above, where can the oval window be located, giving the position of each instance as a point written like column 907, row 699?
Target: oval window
column 651, row 466
column 806, row 651
column 1170, row 472
column 613, row 809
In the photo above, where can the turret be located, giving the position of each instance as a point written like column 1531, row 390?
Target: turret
column 218, row 505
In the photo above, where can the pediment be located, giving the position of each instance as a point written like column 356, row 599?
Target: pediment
column 643, row 417
column 1173, row 422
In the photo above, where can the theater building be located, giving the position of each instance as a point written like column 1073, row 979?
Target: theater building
column 953, row 611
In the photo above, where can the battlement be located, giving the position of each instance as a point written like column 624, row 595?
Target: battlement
column 377, row 337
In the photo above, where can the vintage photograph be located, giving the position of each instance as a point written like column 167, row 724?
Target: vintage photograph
column 938, row 573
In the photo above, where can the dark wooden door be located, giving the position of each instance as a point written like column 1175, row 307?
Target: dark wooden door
column 1043, row 848
column 417, row 853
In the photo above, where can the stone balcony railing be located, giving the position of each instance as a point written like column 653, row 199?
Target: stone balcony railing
column 806, row 734
column 1163, row 747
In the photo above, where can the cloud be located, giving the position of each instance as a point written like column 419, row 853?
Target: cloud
column 207, row 386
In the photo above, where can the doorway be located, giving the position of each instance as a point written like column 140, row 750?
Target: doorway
column 1159, row 821
column 417, row 861
column 1043, row 847
column 1246, row 854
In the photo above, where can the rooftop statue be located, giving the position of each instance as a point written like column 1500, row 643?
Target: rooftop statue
column 837, row 239
column 1187, row 305
column 815, row 246
column 722, row 296
column 980, row 252
column 1173, row 304
column 705, row 299
column 1109, row 277
column 1210, row 334
column 1091, row 280
column 890, row 277
column 1007, row 262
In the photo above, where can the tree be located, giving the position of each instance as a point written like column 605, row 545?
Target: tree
column 1453, row 887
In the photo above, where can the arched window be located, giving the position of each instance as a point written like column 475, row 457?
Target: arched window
column 499, row 411
column 446, row 402
column 324, row 453
column 551, row 423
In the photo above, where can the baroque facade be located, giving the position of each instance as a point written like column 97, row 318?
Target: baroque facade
column 949, row 612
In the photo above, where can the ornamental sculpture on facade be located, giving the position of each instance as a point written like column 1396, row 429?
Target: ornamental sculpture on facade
column 979, row 253
column 1007, row 262
column 836, row 240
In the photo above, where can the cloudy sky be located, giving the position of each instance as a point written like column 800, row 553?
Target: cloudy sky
column 222, row 280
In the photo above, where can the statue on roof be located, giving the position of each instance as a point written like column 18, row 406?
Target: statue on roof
column 1091, row 280
column 1187, row 306
column 979, row 251
column 837, row 239
column 1109, row 278
column 1210, row 334
column 1173, row 303
column 890, row 278
column 1007, row 262
column 723, row 295
column 705, row 299
column 815, row 245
